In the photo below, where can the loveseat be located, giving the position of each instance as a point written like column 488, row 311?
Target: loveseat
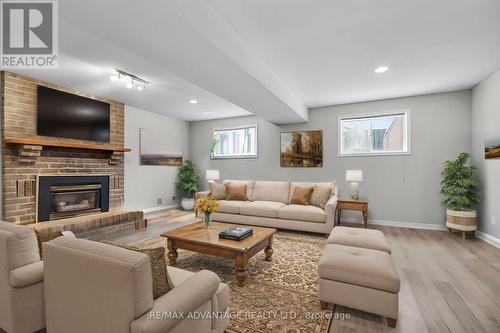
column 268, row 204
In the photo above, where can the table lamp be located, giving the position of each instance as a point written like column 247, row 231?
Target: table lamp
column 354, row 176
column 212, row 175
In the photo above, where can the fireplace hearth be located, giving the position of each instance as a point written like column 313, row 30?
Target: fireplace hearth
column 68, row 196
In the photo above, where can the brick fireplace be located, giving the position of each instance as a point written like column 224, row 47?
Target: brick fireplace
column 23, row 164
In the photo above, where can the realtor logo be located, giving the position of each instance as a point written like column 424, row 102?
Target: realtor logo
column 29, row 34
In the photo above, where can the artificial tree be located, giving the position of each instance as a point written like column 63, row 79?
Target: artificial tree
column 189, row 182
column 460, row 189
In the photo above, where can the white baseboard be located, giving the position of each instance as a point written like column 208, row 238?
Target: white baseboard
column 400, row 224
column 157, row 208
column 488, row 238
column 428, row 226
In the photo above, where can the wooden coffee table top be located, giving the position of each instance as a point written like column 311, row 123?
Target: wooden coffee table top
column 195, row 233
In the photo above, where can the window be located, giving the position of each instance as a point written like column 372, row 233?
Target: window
column 238, row 142
column 374, row 134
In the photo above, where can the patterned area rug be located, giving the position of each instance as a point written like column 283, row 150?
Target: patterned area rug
column 279, row 296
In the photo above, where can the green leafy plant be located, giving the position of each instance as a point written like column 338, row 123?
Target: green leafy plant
column 187, row 178
column 459, row 186
column 213, row 146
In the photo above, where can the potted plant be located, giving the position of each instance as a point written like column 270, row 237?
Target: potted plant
column 207, row 205
column 460, row 189
column 189, row 182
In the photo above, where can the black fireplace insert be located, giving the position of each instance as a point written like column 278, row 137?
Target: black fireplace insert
column 67, row 196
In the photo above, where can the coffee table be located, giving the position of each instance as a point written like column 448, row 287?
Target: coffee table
column 196, row 238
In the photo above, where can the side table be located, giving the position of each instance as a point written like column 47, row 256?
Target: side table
column 349, row 203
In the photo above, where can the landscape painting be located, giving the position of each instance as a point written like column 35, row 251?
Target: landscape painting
column 302, row 149
column 154, row 150
column 492, row 149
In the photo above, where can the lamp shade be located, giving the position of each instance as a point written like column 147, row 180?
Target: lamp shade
column 212, row 175
column 354, row 175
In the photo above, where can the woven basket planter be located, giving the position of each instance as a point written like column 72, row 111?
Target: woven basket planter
column 462, row 221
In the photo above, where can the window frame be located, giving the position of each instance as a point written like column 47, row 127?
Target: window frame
column 223, row 157
column 406, row 112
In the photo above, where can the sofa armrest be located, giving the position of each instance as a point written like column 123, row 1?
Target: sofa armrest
column 26, row 275
column 201, row 194
column 330, row 208
column 178, row 303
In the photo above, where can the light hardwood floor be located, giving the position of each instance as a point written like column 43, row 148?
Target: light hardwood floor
column 447, row 284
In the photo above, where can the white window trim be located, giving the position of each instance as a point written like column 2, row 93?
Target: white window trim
column 407, row 112
column 241, row 156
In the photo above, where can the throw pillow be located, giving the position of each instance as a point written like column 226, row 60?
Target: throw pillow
column 301, row 195
column 320, row 196
column 45, row 237
column 218, row 191
column 236, row 192
column 161, row 281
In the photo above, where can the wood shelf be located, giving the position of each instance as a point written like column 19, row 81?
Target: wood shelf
column 65, row 144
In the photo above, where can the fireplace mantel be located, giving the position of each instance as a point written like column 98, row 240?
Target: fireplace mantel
column 65, row 144
column 31, row 148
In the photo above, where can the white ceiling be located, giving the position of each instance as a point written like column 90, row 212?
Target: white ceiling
column 326, row 51
column 273, row 58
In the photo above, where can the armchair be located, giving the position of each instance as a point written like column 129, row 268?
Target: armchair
column 21, row 280
column 96, row 287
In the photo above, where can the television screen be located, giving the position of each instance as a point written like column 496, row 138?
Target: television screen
column 66, row 115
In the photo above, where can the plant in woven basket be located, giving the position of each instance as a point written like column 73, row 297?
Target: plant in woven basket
column 189, row 182
column 460, row 189
column 207, row 205
column 459, row 186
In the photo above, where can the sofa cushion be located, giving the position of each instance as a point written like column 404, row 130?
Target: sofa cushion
column 248, row 183
column 230, row 206
column 301, row 195
column 302, row 213
column 261, row 208
column 21, row 246
column 236, row 192
column 271, row 191
column 320, row 196
column 357, row 237
column 311, row 184
column 357, row 266
column 218, row 191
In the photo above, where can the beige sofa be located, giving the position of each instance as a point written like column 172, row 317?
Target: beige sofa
column 21, row 280
column 268, row 204
column 96, row 287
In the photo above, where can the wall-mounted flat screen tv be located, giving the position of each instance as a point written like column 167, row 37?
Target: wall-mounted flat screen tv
column 66, row 115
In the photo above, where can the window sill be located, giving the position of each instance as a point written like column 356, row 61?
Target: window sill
column 374, row 154
column 233, row 157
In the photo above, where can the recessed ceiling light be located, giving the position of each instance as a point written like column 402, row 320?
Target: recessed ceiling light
column 193, row 101
column 381, row 69
column 114, row 77
column 208, row 112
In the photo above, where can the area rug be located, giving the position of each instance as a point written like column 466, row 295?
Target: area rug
column 279, row 296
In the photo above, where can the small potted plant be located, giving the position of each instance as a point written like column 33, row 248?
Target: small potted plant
column 189, row 182
column 207, row 205
column 460, row 189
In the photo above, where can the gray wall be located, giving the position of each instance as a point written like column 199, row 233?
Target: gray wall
column 485, row 128
column 144, row 184
column 400, row 188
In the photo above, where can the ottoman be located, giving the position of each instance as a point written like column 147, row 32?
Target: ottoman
column 357, row 237
column 361, row 279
